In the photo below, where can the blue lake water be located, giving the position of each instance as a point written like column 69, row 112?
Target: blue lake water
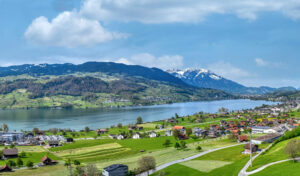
column 99, row 118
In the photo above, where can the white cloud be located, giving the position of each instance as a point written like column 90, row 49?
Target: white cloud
column 68, row 29
column 145, row 59
column 168, row 11
column 229, row 71
column 262, row 63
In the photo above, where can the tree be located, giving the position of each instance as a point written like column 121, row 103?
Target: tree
column 188, row 131
column 86, row 129
column 29, row 164
column 161, row 173
column 22, row 154
column 1, row 154
column 120, row 125
column 76, row 162
column 167, row 143
column 199, row 148
column 12, row 146
column 35, row 131
column 183, row 145
column 292, row 149
column 223, row 110
column 5, row 127
column 177, row 145
column 11, row 163
column 79, row 171
column 91, row 170
column 146, row 163
column 19, row 162
column 176, row 116
column 53, row 130
column 139, row 120
column 176, row 134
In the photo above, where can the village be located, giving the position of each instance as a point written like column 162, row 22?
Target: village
column 264, row 125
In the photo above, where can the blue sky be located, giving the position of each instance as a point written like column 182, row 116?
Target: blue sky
column 249, row 41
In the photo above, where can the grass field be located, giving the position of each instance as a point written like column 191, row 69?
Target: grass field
column 225, row 162
column 276, row 153
column 283, row 169
column 56, row 170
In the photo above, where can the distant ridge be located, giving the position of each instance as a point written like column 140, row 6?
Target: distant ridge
column 206, row 79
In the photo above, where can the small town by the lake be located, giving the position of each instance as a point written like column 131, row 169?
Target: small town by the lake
column 149, row 88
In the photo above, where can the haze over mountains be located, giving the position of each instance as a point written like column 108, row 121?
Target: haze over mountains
column 207, row 79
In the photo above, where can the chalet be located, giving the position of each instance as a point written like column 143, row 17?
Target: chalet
column 115, row 170
column 136, row 136
column 10, row 153
column 242, row 138
column 112, row 136
column 5, row 168
column 102, row 131
column 254, row 148
column 152, row 134
column 47, row 161
column 266, row 138
column 139, row 128
column 54, row 143
column 120, row 137
column 168, row 133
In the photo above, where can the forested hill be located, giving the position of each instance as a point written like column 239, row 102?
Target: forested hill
column 94, row 85
column 104, row 67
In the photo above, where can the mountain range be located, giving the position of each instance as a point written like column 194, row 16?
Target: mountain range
column 94, row 85
column 206, row 79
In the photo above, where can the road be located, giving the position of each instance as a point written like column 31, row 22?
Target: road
column 184, row 159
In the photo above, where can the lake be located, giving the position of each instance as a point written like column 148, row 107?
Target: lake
column 77, row 119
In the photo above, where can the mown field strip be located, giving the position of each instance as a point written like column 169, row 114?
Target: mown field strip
column 85, row 150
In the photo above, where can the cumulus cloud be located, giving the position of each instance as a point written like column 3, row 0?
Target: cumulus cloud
column 145, row 59
column 68, row 29
column 168, row 11
column 229, row 71
column 262, row 63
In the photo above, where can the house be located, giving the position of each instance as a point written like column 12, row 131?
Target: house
column 254, row 148
column 120, row 137
column 152, row 134
column 212, row 134
column 47, row 161
column 139, row 128
column 266, row 138
column 112, row 136
column 243, row 138
column 115, row 170
column 5, row 168
column 10, row 153
column 101, row 131
column 168, row 133
column 180, row 129
column 172, row 121
column 136, row 136
column 53, row 143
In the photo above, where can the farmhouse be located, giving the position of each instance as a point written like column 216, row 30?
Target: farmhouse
column 101, row 131
column 120, row 137
column 254, row 148
column 168, row 133
column 47, row 161
column 152, row 134
column 115, row 170
column 243, row 138
column 10, row 153
column 266, row 138
column 53, row 143
column 136, row 136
